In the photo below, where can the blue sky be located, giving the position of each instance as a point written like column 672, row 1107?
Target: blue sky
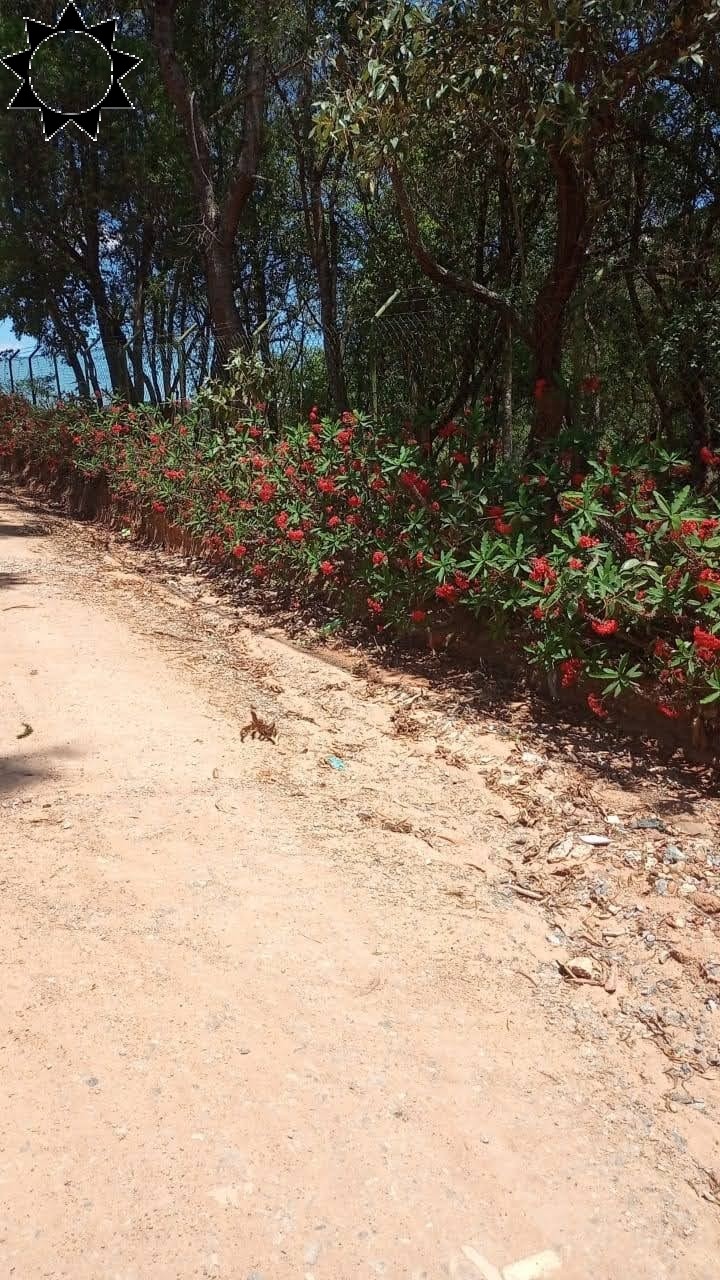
column 8, row 339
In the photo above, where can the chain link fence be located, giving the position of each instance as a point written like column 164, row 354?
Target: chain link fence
column 409, row 355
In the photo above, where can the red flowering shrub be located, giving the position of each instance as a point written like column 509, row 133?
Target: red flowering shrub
column 385, row 528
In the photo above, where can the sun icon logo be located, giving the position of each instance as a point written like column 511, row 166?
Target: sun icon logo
column 116, row 65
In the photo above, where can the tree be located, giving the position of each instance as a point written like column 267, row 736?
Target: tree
column 554, row 87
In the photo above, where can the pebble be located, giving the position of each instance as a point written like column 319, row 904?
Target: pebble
column 556, row 938
column 633, row 858
column 672, row 855
column 662, row 886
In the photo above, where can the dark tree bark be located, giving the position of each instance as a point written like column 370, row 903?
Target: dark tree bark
column 572, row 231
column 219, row 214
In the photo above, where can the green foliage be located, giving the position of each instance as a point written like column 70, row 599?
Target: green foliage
column 608, row 576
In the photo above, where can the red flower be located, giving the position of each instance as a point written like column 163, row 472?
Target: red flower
column 633, row 543
column 709, row 458
column 661, row 649
column 314, row 443
column 221, row 496
column 706, row 644
column 462, row 459
column 672, row 713
column 708, row 527
column 239, row 551
column 379, row 558
column 327, row 567
column 267, row 491
column 351, row 520
column 446, row 591
column 282, row 520
column 495, row 513
column 604, row 627
column 448, row 431
column 502, row 527
column 344, row 437
column 259, row 571
column 570, row 671
column 159, row 507
column 688, row 527
column 597, row 706
column 542, row 570
column 354, row 501
column 488, row 401
column 326, row 485
column 418, row 616
column 296, row 535
column 538, row 613
column 541, row 386
column 578, row 480
column 462, row 582
column 574, row 563
column 374, row 605
column 419, row 559
column 377, row 483
column 333, row 522
column 586, row 541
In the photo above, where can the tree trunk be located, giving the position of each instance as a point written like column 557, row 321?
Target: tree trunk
column 506, row 392
column 219, row 217
column 571, row 236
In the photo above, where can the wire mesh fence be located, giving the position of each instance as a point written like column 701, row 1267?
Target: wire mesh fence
column 405, row 356
column 155, row 372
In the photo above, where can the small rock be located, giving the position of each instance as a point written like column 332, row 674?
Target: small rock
column 687, row 825
column 557, row 938
column 713, row 860
column 648, row 824
column 707, row 902
column 532, row 757
column 632, row 857
column 662, row 886
column 312, row 1253
column 672, row 856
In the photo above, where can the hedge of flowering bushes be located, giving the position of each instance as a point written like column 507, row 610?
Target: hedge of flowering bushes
column 607, row 571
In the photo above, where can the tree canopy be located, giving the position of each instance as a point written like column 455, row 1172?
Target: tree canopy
column 409, row 208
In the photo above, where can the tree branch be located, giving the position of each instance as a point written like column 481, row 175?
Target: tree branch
column 452, row 281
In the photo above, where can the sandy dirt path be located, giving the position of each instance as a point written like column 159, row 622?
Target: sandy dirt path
column 246, row 1032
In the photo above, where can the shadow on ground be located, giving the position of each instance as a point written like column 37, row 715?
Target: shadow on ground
column 29, row 529
column 22, row 769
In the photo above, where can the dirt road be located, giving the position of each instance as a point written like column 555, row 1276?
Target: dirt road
column 260, row 1019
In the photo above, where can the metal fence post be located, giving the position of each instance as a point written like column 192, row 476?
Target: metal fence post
column 11, row 357
column 32, row 381
column 57, row 376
